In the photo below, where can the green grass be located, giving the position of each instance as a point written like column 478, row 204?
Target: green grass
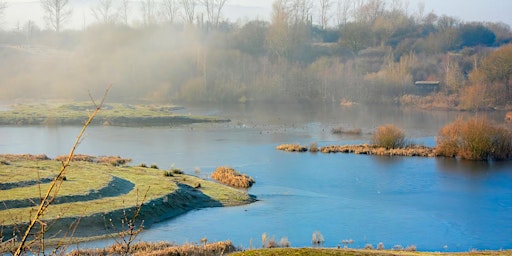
column 84, row 176
column 117, row 114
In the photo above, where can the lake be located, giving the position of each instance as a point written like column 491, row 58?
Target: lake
column 434, row 204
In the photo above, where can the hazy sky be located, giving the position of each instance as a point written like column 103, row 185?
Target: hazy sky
column 20, row 11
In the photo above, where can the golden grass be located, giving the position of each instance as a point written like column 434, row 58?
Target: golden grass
column 163, row 248
column 353, row 252
column 292, row 148
column 230, row 177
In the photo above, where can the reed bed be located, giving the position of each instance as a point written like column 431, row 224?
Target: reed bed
column 292, row 148
column 230, row 177
column 161, row 248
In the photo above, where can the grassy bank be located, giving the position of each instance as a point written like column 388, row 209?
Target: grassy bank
column 165, row 196
column 115, row 114
column 351, row 252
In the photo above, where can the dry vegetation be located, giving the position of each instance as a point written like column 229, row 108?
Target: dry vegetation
column 230, row 177
column 112, row 160
column 292, row 148
column 389, row 137
column 344, row 131
column 475, row 139
column 162, row 248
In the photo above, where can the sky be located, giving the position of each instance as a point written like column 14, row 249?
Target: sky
column 21, row 11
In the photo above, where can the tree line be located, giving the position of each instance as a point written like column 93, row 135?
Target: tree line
column 368, row 51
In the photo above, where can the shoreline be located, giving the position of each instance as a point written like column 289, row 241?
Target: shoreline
column 165, row 197
column 364, row 149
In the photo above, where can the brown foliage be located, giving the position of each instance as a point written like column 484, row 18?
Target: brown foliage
column 14, row 157
column 113, row 160
column 163, row 248
column 292, row 148
column 388, row 136
column 230, row 177
column 475, row 139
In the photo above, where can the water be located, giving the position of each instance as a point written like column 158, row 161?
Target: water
column 435, row 204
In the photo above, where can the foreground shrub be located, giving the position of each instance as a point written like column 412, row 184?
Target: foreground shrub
column 230, row 177
column 476, row 139
column 388, row 136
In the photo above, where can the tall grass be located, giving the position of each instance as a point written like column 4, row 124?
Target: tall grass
column 230, row 177
column 475, row 139
column 388, row 136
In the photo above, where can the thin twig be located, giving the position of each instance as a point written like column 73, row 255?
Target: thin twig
column 54, row 188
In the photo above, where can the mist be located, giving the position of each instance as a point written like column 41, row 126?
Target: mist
column 369, row 58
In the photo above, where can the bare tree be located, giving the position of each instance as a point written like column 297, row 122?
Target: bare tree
column 148, row 11
column 325, row 16
column 189, row 10
column 124, row 9
column 104, row 12
column 3, row 6
column 344, row 7
column 213, row 10
column 170, row 10
column 56, row 13
column 300, row 11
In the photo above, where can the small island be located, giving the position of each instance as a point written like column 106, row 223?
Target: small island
column 112, row 114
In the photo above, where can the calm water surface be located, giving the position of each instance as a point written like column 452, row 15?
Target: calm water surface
column 435, row 204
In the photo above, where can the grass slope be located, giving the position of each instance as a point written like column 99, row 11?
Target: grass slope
column 165, row 196
column 115, row 114
column 351, row 252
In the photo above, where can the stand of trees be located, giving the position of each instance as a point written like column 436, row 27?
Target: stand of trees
column 310, row 51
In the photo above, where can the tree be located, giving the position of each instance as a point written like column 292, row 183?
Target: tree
column 343, row 11
column 325, row 16
column 104, row 12
column 148, row 11
column 497, row 67
column 278, row 32
column 356, row 36
column 189, row 10
column 213, row 10
column 56, row 13
column 475, row 34
column 124, row 9
column 170, row 10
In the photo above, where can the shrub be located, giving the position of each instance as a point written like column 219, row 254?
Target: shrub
column 388, row 136
column 168, row 174
column 176, row 170
column 380, row 246
column 313, row 147
column 230, row 177
column 154, row 166
column 143, row 165
column 475, row 139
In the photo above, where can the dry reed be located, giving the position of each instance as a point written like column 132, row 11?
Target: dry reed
column 230, row 177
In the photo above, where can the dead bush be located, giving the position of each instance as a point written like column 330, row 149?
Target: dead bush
column 475, row 139
column 388, row 136
column 230, row 177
